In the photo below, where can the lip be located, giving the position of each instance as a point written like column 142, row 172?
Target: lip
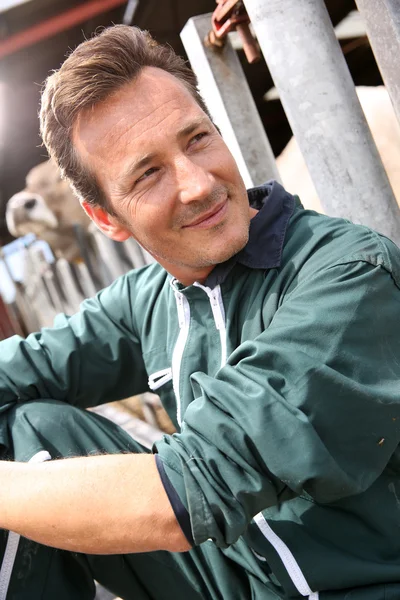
column 211, row 218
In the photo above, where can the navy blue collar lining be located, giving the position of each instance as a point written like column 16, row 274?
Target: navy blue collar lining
column 266, row 235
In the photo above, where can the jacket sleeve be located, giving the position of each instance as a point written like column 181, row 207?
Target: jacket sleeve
column 310, row 406
column 87, row 359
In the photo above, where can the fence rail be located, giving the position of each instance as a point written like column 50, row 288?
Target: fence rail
column 45, row 287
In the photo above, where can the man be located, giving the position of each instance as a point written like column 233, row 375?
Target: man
column 272, row 335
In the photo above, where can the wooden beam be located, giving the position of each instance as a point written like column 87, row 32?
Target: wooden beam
column 54, row 25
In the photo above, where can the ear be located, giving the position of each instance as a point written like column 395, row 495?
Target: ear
column 108, row 224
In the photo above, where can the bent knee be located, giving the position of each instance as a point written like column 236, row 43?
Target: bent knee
column 41, row 411
column 44, row 424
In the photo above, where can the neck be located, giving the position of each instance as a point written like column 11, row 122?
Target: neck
column 186, row 275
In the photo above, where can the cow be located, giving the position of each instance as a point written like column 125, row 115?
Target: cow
column 48, row 208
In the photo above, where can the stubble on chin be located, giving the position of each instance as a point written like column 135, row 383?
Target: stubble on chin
column 209, row 256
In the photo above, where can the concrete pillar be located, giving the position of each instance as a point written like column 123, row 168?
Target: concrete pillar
column 224, row 88
column 382, row 20
column 318, row 95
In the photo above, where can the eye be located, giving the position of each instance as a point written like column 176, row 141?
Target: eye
column 146, row 174
column 198, row 137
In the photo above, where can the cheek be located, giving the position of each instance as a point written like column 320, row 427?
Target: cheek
column 157, row 208
column 223, row 159
column 149, row 221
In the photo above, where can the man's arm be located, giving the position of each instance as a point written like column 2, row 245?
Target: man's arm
column 310, row 405
column 85, row 360
column 97, row 505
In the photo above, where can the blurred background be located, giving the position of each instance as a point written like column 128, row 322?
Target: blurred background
column 37, row 280
column 35, row 36
column 50, row 257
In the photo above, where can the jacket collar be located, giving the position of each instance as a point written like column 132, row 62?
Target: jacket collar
column 266, row 234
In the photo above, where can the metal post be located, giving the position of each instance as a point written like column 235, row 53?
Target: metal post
column 382, row 19
column 35, row 287
column 318, row 94
column 130, row 12
column 223, row 86
column 48, row 277
column 27, row 311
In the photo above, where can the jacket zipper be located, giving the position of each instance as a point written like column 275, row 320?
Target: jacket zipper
column 183, row 308
column 218, row 311
column 10, row 552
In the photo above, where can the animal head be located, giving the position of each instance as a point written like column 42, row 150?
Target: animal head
column 48, row 208
column 27, row 212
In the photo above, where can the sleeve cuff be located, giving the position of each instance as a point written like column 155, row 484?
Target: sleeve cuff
column 181, row 514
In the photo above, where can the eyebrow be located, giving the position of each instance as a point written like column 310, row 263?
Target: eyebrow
column 188, row 129
column 124, row 179
column 146, row 159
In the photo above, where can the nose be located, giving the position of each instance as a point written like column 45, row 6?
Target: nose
column 30, row 203
column 195, row 182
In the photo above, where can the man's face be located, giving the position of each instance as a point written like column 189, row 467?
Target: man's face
column 167, row 174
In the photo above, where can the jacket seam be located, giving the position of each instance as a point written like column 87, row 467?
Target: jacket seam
column 369, row 260
column 372, row 263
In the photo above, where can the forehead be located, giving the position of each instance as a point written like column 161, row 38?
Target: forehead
column 154, row 104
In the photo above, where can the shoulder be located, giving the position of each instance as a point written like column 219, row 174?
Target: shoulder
column 132, row 296
column 145, row 281
column 148, row 279
column 315, row 241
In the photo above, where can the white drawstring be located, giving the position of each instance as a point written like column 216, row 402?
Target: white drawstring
column 158, row 379
column 183, row 309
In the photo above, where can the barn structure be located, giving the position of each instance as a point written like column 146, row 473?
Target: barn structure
column 35, row 35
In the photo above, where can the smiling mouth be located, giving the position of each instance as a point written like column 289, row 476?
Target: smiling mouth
column 209, row 219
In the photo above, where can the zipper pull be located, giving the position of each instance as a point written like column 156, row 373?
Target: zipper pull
column 180, row 308
column 217, row 312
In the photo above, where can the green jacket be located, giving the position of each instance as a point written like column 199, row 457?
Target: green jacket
column 283, row 381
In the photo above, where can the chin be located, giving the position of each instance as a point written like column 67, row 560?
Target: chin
column 227, row 248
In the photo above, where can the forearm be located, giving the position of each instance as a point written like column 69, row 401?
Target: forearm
column 99, row 505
